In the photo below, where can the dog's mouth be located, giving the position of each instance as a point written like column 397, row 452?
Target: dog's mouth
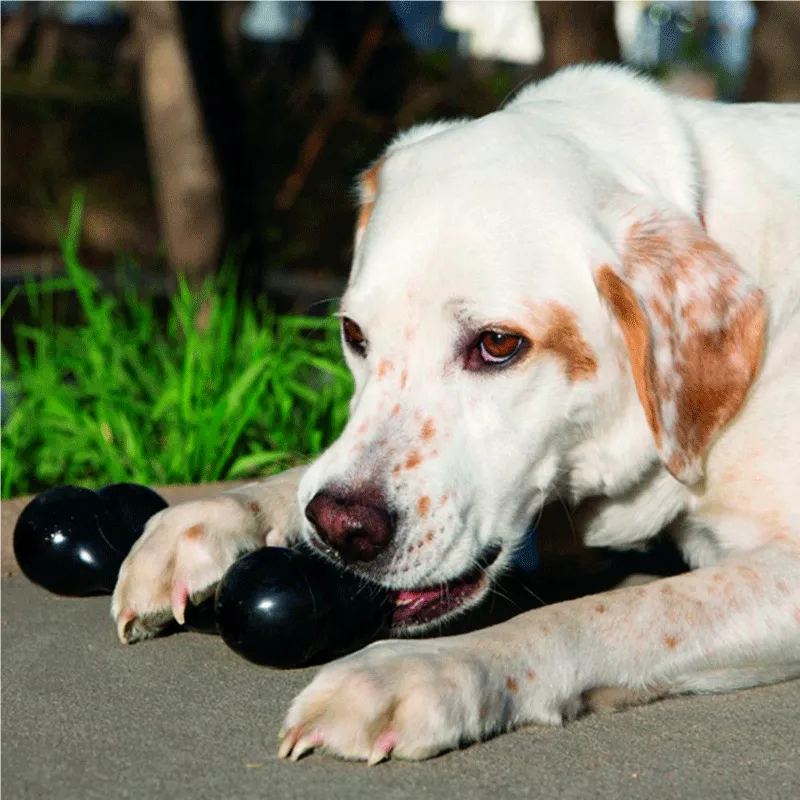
column 415, row 607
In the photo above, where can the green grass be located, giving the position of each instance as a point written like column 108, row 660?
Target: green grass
column 132, row 395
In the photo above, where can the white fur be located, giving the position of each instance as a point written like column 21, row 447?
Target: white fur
column 477, row 223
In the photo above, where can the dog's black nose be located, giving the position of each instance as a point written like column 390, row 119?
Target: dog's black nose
column 358, row 525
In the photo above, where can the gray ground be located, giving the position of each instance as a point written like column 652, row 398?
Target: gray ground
column 184, row 717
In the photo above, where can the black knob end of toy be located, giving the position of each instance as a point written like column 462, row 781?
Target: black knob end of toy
column 72, row 541
column 280, row 607
column 201, row 618
column 134, row 504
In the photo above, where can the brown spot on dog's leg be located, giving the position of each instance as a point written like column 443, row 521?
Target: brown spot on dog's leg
column 428, row 537
column 512, row 686
column 428, row 430
column 671, row 642
column 254, row 507
column 531, row 675
column 424, row 506
column 195, row 532
column 601, row 608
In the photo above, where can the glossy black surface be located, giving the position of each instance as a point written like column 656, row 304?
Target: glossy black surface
column 285, row 608
column 275, row 606
column 72, row 541
column 135, row 504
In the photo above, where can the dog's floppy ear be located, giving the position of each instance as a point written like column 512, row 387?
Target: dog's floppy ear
column 693, row 324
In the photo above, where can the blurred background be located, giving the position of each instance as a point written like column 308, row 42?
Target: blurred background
column 201, row 133
column 198, row 128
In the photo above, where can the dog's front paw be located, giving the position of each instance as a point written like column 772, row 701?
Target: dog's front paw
column 180, row 557
column 404, row 699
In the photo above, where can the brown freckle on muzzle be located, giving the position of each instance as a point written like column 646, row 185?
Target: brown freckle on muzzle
column 428, row 430
column 428, row 537
column 671, row 642
column 424, row 506
column 512, row 686
column 414, row 459
column 384, row 368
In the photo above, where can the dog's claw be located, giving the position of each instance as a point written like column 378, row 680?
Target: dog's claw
column 306, row 745
column 382, row 748
column 179, row 597
column 125, row 625
column 289, row 740
column 375, row 758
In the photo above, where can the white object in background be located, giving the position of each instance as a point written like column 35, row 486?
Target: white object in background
column 628, row 22
column 272, row 21
column 506, row 30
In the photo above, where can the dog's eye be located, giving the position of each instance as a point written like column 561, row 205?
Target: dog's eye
column 354, row 337
column 492, row 349
column 498, row 348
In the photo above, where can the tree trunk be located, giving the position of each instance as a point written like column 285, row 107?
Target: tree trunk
column 185, row 173
column 576, row 32
column 774, row 73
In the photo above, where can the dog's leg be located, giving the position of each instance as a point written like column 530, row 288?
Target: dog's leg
column 186, row 549
column 727, row 626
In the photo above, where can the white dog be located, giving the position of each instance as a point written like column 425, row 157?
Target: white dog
column 594, row 292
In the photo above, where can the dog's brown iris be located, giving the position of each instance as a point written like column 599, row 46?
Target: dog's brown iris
column 354, row 336
column 497, row 347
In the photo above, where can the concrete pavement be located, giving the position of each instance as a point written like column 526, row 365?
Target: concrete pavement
column 185, row 718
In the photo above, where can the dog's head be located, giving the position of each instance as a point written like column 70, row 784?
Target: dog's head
column 508, row 302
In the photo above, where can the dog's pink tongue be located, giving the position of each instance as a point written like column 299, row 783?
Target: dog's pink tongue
column 409, row 596
column 409, row 604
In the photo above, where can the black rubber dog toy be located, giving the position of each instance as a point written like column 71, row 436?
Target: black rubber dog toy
column 72, row 541
column 275, row 606
column 282, row 607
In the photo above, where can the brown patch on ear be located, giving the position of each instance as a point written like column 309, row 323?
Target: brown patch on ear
column 714, row 388
column 633, row 322
column 368, row 184
column 694, row 325
column 564, row 339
